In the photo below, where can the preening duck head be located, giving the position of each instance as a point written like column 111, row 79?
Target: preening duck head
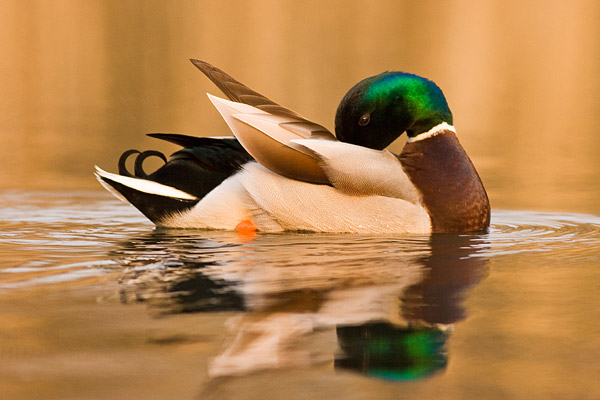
column 377, row 110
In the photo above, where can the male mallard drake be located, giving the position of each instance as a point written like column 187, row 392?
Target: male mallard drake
column 283, row 172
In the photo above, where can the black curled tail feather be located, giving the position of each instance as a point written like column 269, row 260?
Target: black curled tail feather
column 198, row 168
column 123, row 160
column 139, row 162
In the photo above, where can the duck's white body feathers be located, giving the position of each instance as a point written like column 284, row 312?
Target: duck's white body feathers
column 275, row 203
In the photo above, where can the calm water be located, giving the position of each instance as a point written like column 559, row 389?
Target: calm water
column 96, row 303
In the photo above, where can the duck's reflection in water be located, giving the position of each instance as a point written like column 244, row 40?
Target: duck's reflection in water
column 429, row 308
column 383, row 307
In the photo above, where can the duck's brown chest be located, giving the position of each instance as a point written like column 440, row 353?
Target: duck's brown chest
column 449, row 185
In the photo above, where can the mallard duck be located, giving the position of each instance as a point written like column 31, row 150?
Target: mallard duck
column 283, row 172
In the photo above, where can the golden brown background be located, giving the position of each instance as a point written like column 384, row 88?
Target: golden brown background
column 82, row 81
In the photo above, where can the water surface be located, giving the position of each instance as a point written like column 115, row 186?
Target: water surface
column 96, row 303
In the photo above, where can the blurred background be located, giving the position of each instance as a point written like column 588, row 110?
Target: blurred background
column 82, row 81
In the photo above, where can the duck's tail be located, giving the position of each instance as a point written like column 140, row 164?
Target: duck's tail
column 155, row 200
column 187, row 176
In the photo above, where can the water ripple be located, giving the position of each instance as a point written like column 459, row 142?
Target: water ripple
column 566, row 234
column 50, row 237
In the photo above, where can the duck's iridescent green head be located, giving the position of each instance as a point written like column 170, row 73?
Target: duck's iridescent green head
column 379, row 109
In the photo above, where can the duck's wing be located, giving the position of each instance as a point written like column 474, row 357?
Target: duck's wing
column 240, row 93
column 295, row 154
column 290, row 145
column 268, row 138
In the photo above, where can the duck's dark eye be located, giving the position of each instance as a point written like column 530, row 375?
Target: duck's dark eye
column 364, row 120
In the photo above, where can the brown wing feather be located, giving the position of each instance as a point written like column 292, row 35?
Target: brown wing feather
column 237, row 91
